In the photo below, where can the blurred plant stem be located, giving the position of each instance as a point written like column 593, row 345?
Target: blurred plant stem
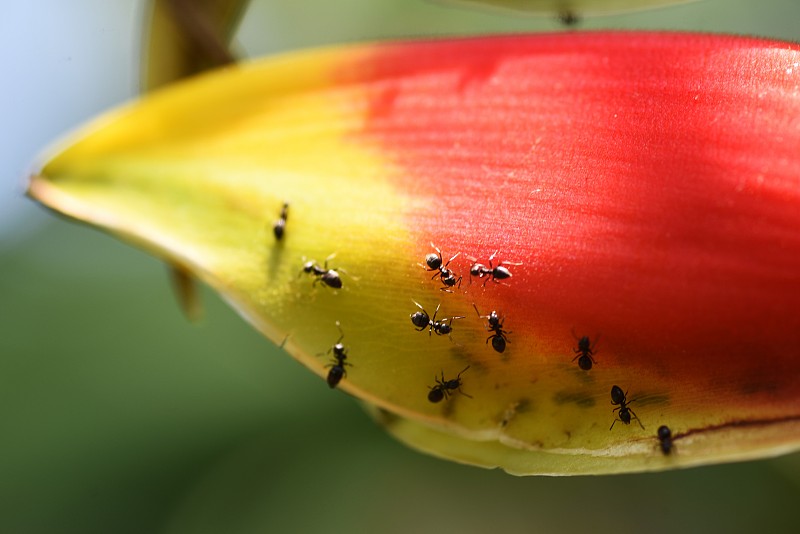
column 182, row 38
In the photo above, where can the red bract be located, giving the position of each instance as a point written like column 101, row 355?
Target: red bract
column 650, row 183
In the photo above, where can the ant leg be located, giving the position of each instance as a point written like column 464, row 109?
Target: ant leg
column 433, row 320
column 340, row 270
column 341, row 336
column 612, row 424
column 462, row 371
column 465, row 394
column 451, row 259
column 637, row 418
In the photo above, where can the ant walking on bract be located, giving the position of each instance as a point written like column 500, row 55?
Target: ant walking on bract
column 620, row 399
column 492, row 272
column 338, row 362
column 422, row 320
column 499, row 336
column 444, row 388
column 665, row 439
column 280, row 225
column 329, row 277
column 585, row 351
column 434, row 262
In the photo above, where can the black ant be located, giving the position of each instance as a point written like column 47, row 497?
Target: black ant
column 444, row 388
column 434, row 263
column 495, row 273
column 337, row 364
column 665, row 439
column 618, row 398
column 584, row 352
column 499, row 337
column 568, row 18
column 280, row 225
column 329, row 277
column 422, row 320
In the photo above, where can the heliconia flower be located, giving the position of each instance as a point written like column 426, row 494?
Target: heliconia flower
column 638, row 190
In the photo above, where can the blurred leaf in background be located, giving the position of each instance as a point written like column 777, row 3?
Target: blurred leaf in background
column 118, row 416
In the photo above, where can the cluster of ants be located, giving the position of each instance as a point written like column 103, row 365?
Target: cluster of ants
column 449, row 279
column 584, row 352
column 435, row 262
column 328, row 277
column 443, row 387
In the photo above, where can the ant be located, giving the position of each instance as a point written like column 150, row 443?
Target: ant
column 329, row 277
column 584, row 352
column 434, row 263
column 337, row 364
column 443, row 388
column 665, row 438
column 568, row 18
column 280, row 225
column 495, row 273
column 618, row 398
column 499, row 336
column 422, row 320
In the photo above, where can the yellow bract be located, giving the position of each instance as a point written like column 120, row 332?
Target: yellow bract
column 197, row 174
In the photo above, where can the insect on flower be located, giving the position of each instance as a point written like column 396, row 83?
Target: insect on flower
column 422, row 320
column 434, row 263
column 338, row 362
column 499, row 336
column 665, row 439
column 492, row 272
column 329, row 277
column 280, row 225
column 584, row 352
column 620, row 399
column 444, row 388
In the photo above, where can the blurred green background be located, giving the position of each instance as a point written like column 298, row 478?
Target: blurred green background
column 117, row 415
